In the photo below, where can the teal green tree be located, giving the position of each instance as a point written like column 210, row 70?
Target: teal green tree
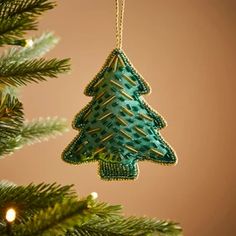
column 118, row 128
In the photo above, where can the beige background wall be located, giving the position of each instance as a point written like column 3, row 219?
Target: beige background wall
column 186, row 51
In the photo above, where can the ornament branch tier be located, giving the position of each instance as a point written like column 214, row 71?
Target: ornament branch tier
column 118, row 128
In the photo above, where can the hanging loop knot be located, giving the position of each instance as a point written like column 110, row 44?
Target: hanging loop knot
column 119, row 22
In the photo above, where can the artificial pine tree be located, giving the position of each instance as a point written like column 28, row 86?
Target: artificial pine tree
column 46, row 209
column 54, row 210
column 22, row 65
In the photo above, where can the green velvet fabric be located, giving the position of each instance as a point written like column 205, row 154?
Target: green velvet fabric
column 118, row 128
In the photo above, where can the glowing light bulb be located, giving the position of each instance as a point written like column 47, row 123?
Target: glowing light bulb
column 10, row 215
column 94, row 195
column 29, row 43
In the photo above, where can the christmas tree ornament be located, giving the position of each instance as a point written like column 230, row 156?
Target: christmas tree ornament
column 118, row 128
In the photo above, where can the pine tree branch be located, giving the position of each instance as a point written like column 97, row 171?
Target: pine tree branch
column 62, row 217
column 13, row 29
column 42, row 129
column 40, row 46
column 131, row 226
column 11, row 117
column 48, row 209
column 17, row 74
column 18, row 16
column 31, row 8
column 54, row 220
column 5, row 183
column 103, row 210
column 30, row 199
column 33, row 132
column 45, row 210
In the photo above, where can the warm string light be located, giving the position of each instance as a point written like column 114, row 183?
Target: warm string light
column 29, row 43
column 10, row 215
column 94, row 195
column 10, row 218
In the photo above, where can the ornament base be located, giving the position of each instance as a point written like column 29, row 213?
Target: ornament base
column 118, row 171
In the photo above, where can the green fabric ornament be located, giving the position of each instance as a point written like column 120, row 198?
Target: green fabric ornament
column 118, row 128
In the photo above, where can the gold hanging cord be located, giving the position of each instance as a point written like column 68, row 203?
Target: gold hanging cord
column 119, row 22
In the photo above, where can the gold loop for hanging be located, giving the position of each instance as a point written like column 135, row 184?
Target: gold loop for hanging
column 119, row 22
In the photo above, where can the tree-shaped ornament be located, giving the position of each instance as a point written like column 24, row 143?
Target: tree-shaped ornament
column 118, row 128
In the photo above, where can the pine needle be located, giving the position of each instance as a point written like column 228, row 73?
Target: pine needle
column 24, row 7
column 132, row 226
column 40, row 46
column 30, row 199
column 51, row 209
column 33, row 132
column 42, row 129
column 11, row 117
column 19, row 16
column 35, row 70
